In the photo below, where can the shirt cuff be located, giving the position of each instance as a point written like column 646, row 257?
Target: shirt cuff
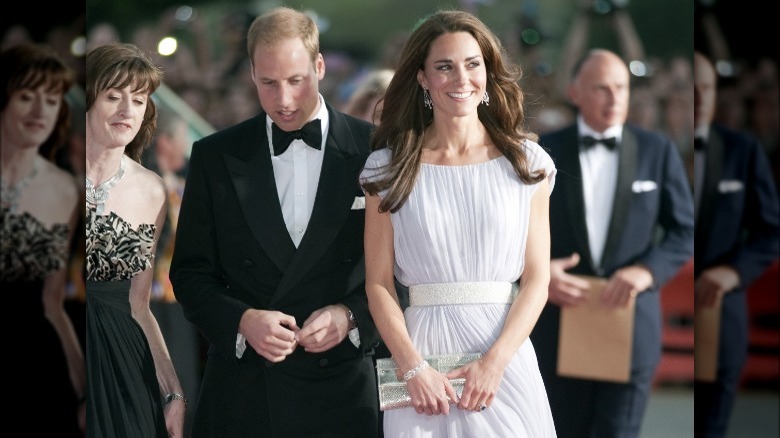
column 354, row 337
column 240, row 345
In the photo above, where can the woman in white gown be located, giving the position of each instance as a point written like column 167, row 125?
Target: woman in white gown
column 457, row 209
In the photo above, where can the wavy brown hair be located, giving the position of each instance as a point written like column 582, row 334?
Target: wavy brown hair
column 118, row 65
column 28, row 66
column 405, row 117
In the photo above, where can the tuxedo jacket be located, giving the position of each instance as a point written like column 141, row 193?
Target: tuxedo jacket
column 233, row 252
column 738, row 225
column 651, row 224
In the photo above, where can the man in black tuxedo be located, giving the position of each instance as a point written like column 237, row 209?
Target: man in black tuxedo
column 737, row 238
column 268, row 260
column 622, row 210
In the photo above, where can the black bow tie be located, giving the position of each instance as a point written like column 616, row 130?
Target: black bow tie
column 310, row 133
column 588, row 141
column 699, row 144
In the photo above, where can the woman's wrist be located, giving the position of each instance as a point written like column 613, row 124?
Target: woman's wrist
column 415, row 370
column 175, row 396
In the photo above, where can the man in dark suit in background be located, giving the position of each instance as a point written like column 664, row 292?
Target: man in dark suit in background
column 268, row 261
column 737, row 238
column 622, row 210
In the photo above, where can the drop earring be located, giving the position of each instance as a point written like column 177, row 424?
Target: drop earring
column 427, row 99
column 486, row 99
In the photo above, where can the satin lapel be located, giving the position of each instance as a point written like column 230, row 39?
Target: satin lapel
column 627, row 162
column 575, row 199
column 713, row 173
column 336, row 192
column 253, row 178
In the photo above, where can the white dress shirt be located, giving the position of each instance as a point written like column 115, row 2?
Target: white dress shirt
column 297, row 174
column 599, row 167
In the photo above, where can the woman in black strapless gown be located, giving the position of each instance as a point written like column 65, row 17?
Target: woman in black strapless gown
column 39, row 210
column 133, row 390
column 121, row 366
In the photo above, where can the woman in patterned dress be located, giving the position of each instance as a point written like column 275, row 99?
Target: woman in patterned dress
column 39, row 212
column 133, row 390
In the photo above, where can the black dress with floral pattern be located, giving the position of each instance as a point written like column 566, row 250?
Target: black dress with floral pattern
column 123, row 396
column 30, row 252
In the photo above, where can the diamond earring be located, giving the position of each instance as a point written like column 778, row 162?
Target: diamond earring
column 486, row 99
column 427, row 99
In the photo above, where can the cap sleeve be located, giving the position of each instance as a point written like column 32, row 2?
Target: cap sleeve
column 375, row 167
column 540, row 159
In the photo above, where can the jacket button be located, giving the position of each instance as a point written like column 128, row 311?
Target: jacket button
column 248, row 263
column 346, row 261
column 323, row 362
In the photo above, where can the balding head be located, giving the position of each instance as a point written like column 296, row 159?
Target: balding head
column 600, row 89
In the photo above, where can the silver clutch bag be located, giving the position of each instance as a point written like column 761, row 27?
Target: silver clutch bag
column 392, row 391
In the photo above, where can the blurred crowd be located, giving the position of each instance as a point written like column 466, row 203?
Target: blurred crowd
column 209, row 70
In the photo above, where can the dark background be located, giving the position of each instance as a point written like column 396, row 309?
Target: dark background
column 39, row 19
column 748, row 25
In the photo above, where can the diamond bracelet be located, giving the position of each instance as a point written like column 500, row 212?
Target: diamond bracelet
column 416, row 370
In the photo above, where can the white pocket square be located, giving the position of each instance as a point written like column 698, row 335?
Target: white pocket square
column 730, row 186
column 643, row 186
column 359, row 203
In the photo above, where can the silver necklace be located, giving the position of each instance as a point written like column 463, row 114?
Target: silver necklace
column 9, row 193
column 97, row 196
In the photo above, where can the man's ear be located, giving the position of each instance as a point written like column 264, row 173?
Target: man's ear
column 319, row 66
column 572, row 93
column 252, row 71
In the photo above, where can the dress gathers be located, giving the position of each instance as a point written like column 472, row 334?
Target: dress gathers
column 468, row 224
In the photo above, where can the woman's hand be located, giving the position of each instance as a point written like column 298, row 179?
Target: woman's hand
column 483, row 376
column 431, row 392
column 174, row 418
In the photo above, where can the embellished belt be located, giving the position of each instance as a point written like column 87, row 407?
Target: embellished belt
column 485, row 292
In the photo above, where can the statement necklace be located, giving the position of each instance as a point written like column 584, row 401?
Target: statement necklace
column 97, row 196
column 9, row 193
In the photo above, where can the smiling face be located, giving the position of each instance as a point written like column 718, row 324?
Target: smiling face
column 287, row 82
column 116, row 116
column 30, row 115
column 455, row 75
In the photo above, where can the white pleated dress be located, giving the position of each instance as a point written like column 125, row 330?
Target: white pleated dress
column 468, row 224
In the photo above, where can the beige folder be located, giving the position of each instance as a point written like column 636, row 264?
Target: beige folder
column 595, row 341
column 706, row 334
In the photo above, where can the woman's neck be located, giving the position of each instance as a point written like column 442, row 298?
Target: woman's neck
column 16, row 163
column 456, row 136
column 102, row 164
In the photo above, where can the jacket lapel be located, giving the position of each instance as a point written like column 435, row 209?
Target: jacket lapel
column 627, row 162
column 336, row 191
column 575, row 199
column 253, row 178
column 713, row 173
